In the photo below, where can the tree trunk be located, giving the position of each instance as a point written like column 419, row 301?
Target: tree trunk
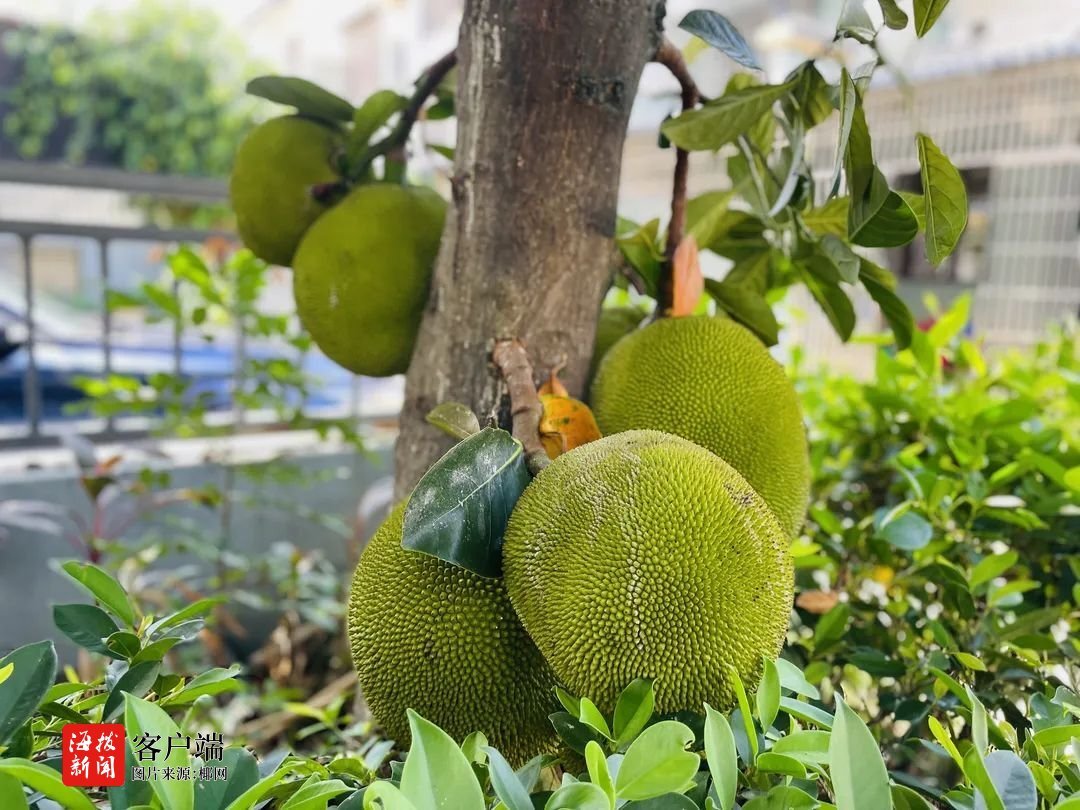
column 544, row 95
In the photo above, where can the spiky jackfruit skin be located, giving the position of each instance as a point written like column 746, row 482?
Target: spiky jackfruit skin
column 361, row 275
column 644, row 555
column 713, row 382
column 275, row 169
column 614, row 324
column 429, row 636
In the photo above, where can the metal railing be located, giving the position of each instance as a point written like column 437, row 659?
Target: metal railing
column 34, row 429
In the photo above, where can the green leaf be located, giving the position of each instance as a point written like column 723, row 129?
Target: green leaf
column 573, row 732
column 668, row 801
column 855, row 23
column 454, row 419
column 772, row 762
column 458, row 511
column 315, row 794
column 809, row 101
column 103, row 587
column 593, row 717
column 975, row 770
column 806, row 712
column 879, row 283
column 657, row 762
column 33, row 672
column 243, row 774
column 867, row 186
column 849, row 102
column 830, row 218
column 991, row 567
column 47, row 781
column 633, row 710
column 12, row 795
column 793, row 679
column 123, row 645
column 212, row 682
column 374, row 112
column 904, row 798
column 941, row 734
column 136, row 681
column 199, row 607
column 718, row 31
column 926, row 14
column 86, row 625
column 892, row 225
column 834, row 302
column 909, row 532
column 436, row 772
column 570, row 703
column 388, row 796
column 578, row 796
column 744, row 710
column 1056, row 735
column 722, row 757
column 505, row 782
column 142, row 717
column 706, row 216
column 895, row 17
column 723, row 120
column 809, row 747
column 860, row 780
column 843, row 258
column 946, row 200
column 599, row 774
column 746, row 306
column 254, row 794
column 768, row 695
column 307, row 97
column 1012, row 780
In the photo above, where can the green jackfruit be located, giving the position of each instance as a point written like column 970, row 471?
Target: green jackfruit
column 361, row 275
column 429, row 636
column 614, row 324
column 275, row 169
column 644, row 555
column 713, row 382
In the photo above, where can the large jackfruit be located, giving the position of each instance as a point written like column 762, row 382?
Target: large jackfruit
column 276, row 167
column 644, row 555
column 711, row 381
column 429, row 636
column 361, row 275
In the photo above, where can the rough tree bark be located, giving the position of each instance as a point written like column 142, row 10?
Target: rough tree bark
column 544, row 95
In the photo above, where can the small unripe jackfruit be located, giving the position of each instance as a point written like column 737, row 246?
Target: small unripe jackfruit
column 644, row 555
column 713, row 382
column 361, row 275
column 429, row 636
column 277, row 166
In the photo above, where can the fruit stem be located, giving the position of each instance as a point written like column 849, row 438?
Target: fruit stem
column 671, row 57
column 526, row 411
column 427, row 83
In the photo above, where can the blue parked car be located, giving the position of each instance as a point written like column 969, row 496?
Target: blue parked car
column 68, row 345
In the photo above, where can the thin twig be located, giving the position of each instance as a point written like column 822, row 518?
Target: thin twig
column 671, row 57
column 399, row 135
column 526, row 411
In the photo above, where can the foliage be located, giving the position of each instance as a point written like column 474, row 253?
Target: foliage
column 150, row 90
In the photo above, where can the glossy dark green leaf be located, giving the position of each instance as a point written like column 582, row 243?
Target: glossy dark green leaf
column 573, row 732
column 47, row 781
column 926, row 14
column 746, row 306
column 892, row 225
column 723, row 120
column 243, row 773
column 880, row 284
column 136, row 681
column 87, row 625
column 719, row 32
column 904, row 798
column 894, row 16
column 458, row 511
column 946, row 207
column 808, row 101
column 33, row 670
column 307, row 97
column 834, row 302
column 123, row 644
column 454, row 419
column 102, row 586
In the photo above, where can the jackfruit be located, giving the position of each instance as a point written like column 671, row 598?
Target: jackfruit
column 644, row 555
column 711, row 381
column 429, row 636
column 361, row 275
column 614, row 323
column 276, row 167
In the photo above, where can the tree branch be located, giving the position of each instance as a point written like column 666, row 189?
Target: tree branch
column 671, row 57
column 526, row 411
column 399, row 135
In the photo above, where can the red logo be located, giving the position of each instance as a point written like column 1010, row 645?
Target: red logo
column 93, row 754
